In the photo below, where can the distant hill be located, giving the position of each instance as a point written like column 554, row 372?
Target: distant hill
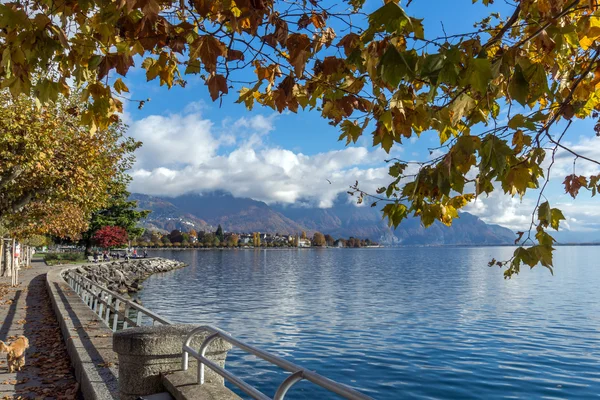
column 206, row 211
column 165, row 216
column 349, row 220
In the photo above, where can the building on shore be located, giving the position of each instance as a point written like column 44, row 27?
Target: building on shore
column 304, row 242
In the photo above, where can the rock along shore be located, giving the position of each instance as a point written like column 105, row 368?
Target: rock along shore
column 126, row 276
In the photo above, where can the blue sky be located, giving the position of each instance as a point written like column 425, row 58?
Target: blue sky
column 193, row 144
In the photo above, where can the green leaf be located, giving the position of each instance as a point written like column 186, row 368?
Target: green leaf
column 519, row 121
column 386, row 143
column 527, row 256
column 393, row 67
column 193, row 67
column 120, row 86
column 450, row 71
column 544, row 238
column 461, row 107
column 391, row 16
column 556, row 217
column 395, row 212
column 350, row 131
column 479, row 74
column 13, row 18
column 544, row 213
column 386, row 120
column 543, row 255
column 432, row 67
column 94, row 62
column 46, row 90
column 518, row 88
column 397, row 169
column 537, row 81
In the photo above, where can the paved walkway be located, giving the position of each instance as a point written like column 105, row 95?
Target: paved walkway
column 26, row 310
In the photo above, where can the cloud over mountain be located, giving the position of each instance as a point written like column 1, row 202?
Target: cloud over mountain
column 187, row 153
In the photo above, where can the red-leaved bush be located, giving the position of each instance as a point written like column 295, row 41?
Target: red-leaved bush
column 110, row 236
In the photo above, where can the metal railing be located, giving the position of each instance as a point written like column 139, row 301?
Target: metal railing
column 297, row 373
column 116, row 311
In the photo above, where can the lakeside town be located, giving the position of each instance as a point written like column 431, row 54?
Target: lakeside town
column 224, row 239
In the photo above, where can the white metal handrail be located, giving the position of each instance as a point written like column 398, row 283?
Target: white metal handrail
column 107, row 304
column 298, row 373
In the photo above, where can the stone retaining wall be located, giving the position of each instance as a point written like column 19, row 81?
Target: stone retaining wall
column 89, row 341
column 126, row 276
column 150, row 357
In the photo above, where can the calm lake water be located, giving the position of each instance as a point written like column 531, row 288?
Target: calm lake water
column 404, row 323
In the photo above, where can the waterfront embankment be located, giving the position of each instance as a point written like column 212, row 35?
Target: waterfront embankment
column 127, row 276
column 87, row 337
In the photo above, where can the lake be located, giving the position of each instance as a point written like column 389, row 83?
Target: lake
column 398, row 323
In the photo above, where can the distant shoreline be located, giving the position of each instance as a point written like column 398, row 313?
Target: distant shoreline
column 353, row 248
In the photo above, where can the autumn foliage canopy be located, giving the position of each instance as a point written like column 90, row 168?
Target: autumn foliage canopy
column 53, row 173
column 500, row 97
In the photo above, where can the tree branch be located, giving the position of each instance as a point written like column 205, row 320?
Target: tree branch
column 11, row 176
column 511, row 21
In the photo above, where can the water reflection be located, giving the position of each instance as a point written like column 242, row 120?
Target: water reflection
column 399, row 323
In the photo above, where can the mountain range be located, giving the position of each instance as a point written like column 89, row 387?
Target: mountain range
column 205, row 212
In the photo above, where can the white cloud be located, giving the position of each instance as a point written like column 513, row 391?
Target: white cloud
column 195, row 107
column 499, row 208
column 257, row 123
column 563, row 161
column 189, row 153
column 185, row 153
column 173, row 140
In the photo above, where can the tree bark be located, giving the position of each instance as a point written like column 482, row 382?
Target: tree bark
column 2, row 263
column 88, row 247
column 11, row 271
column 9, row 258
column 16, row 265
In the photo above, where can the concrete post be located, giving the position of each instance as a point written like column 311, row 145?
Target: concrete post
column 146, row 352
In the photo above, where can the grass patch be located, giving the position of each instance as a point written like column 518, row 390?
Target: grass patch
column 64, row 258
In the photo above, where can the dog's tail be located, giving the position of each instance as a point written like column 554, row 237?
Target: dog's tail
column 3, row 347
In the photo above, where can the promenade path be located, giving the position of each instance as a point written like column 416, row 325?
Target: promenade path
column 26, row 310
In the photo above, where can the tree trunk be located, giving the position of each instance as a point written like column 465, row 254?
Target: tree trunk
column 88, row 247
column 4, row 257
column 18, row 266
column 13, row 262
column 9, row 258
column 2, row 263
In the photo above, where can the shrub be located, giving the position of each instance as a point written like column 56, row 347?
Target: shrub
column 64, row 258
column 51, row 256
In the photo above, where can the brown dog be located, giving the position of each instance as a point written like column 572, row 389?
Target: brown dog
column 15, row 357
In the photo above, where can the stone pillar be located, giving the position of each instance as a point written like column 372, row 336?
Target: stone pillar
column 146, row 352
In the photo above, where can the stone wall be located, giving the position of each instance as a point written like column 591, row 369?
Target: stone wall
column 137, row 361
column 126, row 276
column 88, row 339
